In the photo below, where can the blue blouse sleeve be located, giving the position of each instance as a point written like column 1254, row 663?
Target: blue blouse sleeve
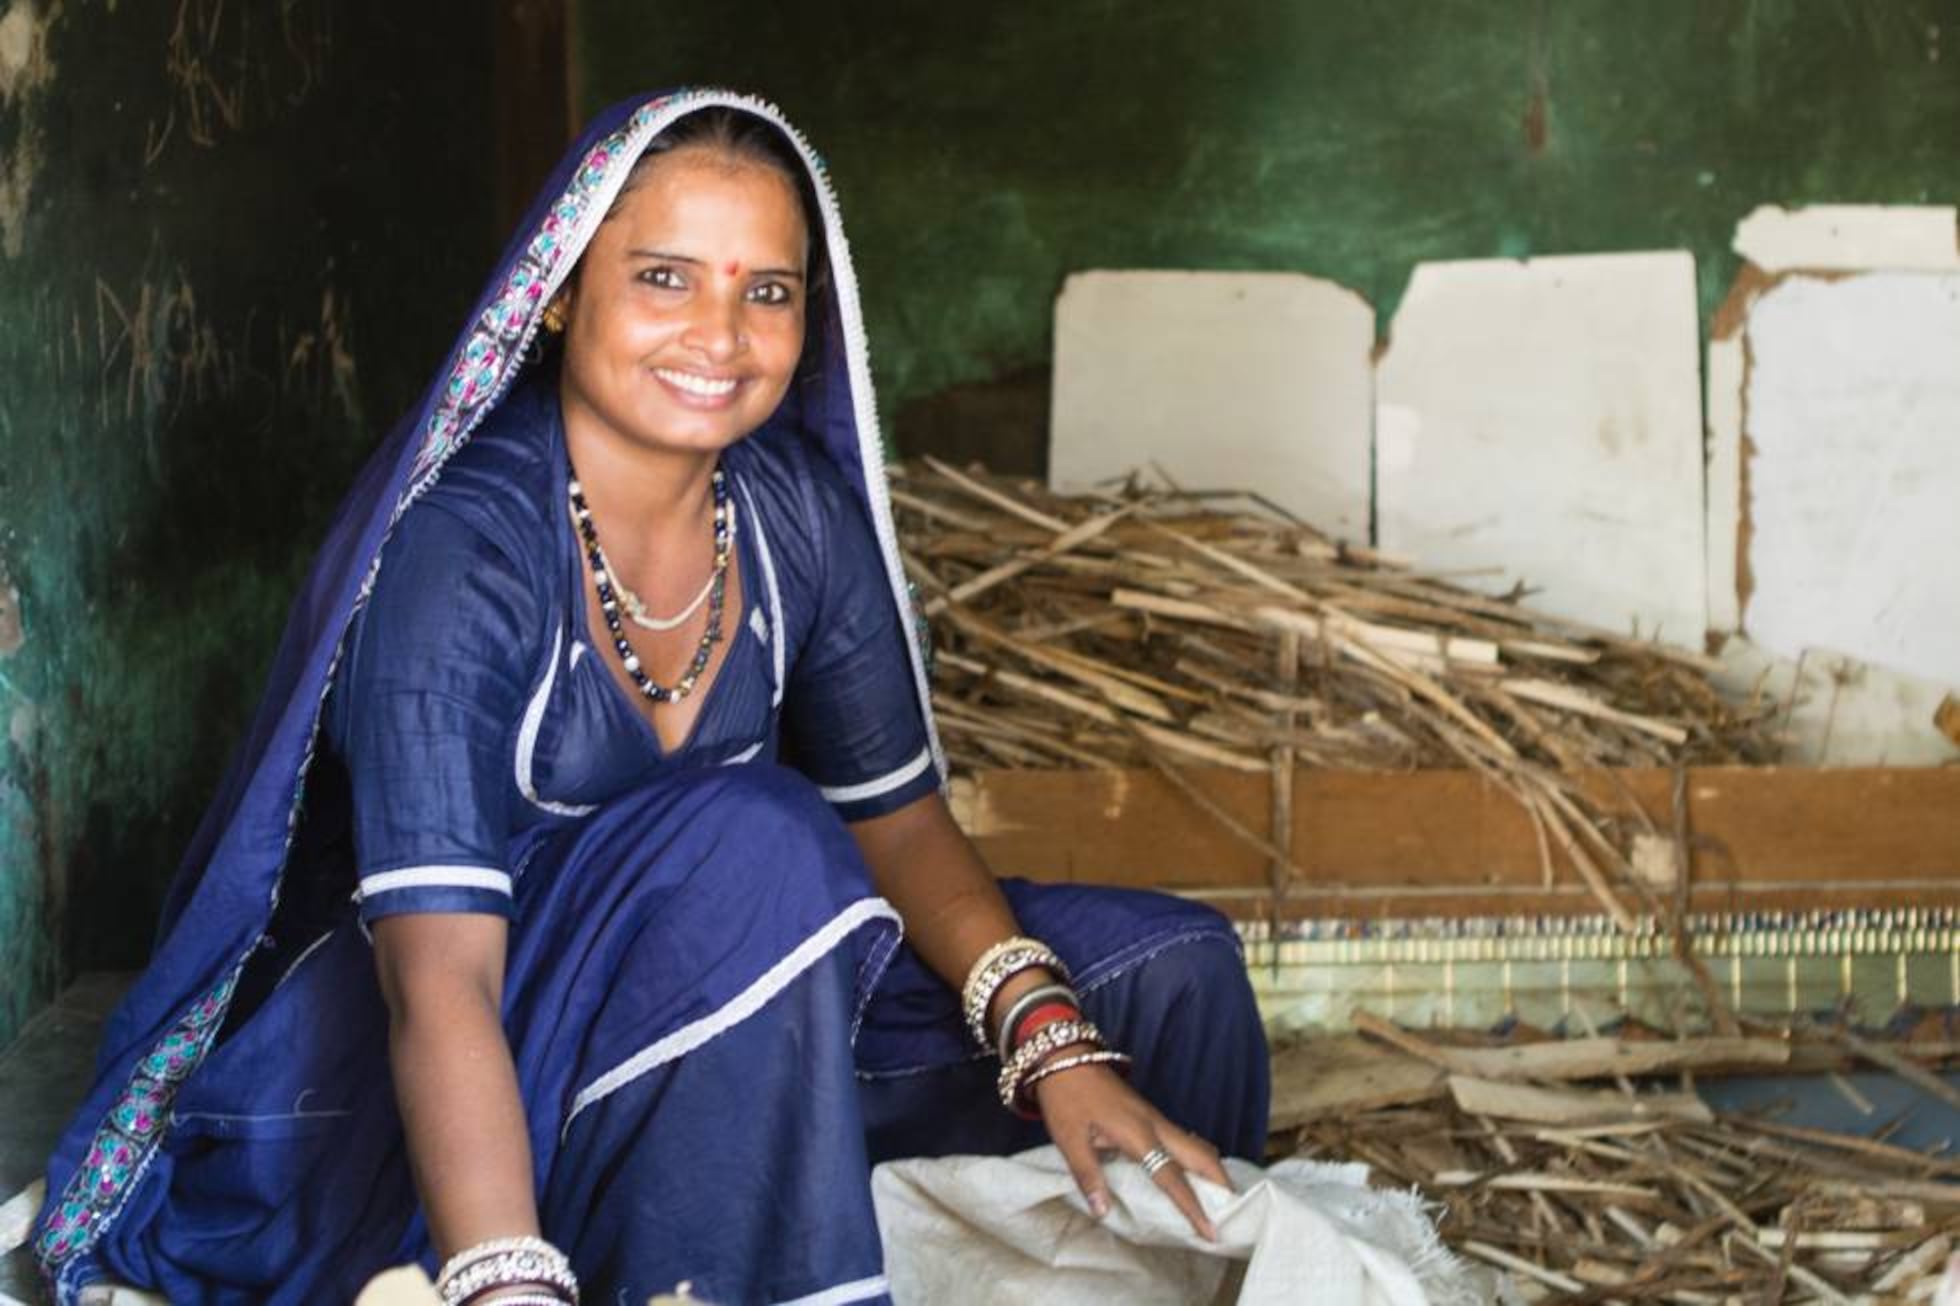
column 424, row 714
column 851, row 714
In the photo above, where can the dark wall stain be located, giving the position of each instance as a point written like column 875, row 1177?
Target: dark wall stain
column 1537, row 109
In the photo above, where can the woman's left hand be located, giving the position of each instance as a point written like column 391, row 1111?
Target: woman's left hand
column 1091, row 1109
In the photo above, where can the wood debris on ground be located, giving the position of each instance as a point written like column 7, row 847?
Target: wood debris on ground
column 1165, row 628
column 1629, row 1188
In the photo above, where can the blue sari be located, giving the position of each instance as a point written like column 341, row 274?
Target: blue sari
column 716, row 1026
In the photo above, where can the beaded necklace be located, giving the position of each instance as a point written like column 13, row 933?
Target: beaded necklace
column 636, row 607
column 609, row 598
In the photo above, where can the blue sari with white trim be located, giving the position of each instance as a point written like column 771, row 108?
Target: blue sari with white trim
column 715, row 1025
column 470, row 706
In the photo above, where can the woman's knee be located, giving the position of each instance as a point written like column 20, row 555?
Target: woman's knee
column 755, row 829
column 1200, row 977
column 1189, row 1016
column 774, row 799
column 769, row 821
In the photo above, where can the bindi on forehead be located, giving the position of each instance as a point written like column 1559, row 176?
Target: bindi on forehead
column 732, row 268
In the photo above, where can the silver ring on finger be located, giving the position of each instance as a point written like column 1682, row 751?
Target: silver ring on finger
column 1154, row 1160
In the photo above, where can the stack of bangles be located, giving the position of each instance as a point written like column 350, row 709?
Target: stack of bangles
column 1036, row 1026
column 508, row 1272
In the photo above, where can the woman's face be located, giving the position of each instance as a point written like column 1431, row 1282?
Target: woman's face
column 686, row 322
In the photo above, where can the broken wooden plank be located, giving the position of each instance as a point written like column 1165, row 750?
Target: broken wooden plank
column 1582, row 1058
column 1525, row 1181
column 1506, row 1101
column 1329, row 1077
column 1599, row 1058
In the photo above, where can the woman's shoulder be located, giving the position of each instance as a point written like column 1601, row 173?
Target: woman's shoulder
column 460, row 605
column 501, row 483
column 790, row 477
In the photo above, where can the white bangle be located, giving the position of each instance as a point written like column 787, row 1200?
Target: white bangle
column 505, row 1262
column 1041, row 1045
column 1100, row 1057
column 995, row 967
column 490, row 1247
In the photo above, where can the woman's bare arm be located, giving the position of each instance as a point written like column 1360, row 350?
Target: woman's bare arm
column 443, row 976
column 925, row 866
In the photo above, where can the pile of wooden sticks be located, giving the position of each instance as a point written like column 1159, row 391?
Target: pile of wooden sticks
column 1156, row 627
column 1570, row 1165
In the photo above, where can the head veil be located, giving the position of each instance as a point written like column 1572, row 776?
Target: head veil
column 222, row 901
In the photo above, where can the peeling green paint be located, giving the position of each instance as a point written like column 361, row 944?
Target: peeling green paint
column 985, row 151
column 250, row 233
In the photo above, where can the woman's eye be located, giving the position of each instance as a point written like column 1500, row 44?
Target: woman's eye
column 664, row 278
column 771, row 292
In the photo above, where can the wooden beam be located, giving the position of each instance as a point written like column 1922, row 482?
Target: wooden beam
column 534, row 109
column 1451, row 843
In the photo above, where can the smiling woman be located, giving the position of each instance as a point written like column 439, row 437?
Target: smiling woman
column 558, row 892
column 685, row 321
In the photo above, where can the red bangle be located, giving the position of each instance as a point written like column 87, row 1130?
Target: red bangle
column 1046, row 1014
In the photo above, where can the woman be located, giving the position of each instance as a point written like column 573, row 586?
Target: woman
column 622, row 751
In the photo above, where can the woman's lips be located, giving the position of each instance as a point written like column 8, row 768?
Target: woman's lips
column 696, row 390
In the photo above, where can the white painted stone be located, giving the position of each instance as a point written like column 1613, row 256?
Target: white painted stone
column 1832, row 710
column 1546, row 424
column 1853, row 412
column 1851, row 237
column 1723, row 478
column 1226, row 380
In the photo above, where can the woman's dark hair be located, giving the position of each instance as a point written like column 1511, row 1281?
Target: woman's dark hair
column 743, row 137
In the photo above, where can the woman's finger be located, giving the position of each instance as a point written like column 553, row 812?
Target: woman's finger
column 1078, row 1151
column 1168, row 1174
column 1195, row 1154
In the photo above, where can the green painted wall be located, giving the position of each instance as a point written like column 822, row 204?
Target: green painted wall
column 986, row 150
column 234, row 240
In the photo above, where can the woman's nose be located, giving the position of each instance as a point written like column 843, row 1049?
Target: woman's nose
column 716, row 326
